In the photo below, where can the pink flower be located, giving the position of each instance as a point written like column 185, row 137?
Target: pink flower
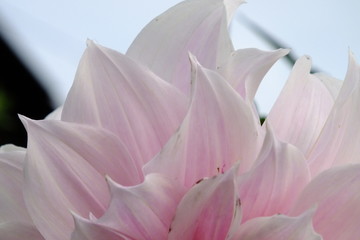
column 165, row 143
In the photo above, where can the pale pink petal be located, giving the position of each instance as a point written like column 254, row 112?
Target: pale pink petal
column 218, row 130
column 275, row 182
column 302, row 108
column 15, row 222
column 208, row 210
column 245, row 68
column 56, row 114
column 278, row 227
column 65, row 171
column 114, row 92
column 19, row 231
column 90, row 230
column 199, row 27
column 336, row 194
column 332, row 84
column 339, row 142
column 143, row 211
column 12, row 206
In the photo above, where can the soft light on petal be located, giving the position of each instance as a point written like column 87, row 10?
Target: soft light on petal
column 218, row 130
column 114, row 92
column 199, row 27
column 142, row 211
column 339, row 142
column 278, row 227
column 336, row 194
column 302, row 108
column 65, row 171
column 276, row 180
column 208, row 209
column 245, row 68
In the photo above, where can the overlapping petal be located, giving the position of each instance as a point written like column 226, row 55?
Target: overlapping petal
column 278, row 227
column 336, row 194
column 65, row 171
column 339, row 141
column 140, row 212
column 15, row 222
column 302, row 108
column 276, row 180
column 245, row 68
column 163, row 45
column 114, row 92
column 209, row 210
column 218, row 130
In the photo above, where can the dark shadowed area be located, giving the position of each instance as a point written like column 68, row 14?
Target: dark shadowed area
column 20, row 93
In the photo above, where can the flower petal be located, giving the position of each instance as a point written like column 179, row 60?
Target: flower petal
column 199, row 27
column 245, row 69
column 278, row 227
column 143, row 211
column 218, row 130
column 302, row 108
column 272, row 186
column 336, row 193
column 65, row 170
column 11, row 184
column 208, row 210
column 339, row 141
column 114, row 92
column 19, row 230
column 90, row 230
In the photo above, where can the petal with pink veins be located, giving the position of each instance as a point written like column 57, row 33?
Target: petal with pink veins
column 142, row 211
column 211, row 209
column 199, row 27
column 218, row 130
column 336, row 194
column 113, row 92
column 278, row 227
column 302, row 108
column 339, row 141
column 65, row 171
column 275, row 182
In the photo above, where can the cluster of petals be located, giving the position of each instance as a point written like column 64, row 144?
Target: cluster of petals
column 165, row 142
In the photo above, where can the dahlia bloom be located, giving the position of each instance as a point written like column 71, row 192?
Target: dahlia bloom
column 165, row 142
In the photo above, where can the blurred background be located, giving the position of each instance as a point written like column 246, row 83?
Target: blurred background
column 42, row 42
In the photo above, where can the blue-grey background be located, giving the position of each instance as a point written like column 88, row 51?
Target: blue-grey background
column 50, row 36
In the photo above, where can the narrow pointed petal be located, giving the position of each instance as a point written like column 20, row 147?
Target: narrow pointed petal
column 278, row 227
column 245, row 69
column 114, row 92
column 208, row 209
column 143, row 211
column 218, row 130
column 56, row 114
column 19, row 231
column 199, row 27
column 272, row 186
column 339, row 141
column 335, row 192
column 65, row 171
column 302, row 108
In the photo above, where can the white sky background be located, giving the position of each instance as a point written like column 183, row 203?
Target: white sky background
column 51, row 35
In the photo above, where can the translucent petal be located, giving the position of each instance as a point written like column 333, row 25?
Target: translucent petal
column 218, row 130
column 113, row 92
